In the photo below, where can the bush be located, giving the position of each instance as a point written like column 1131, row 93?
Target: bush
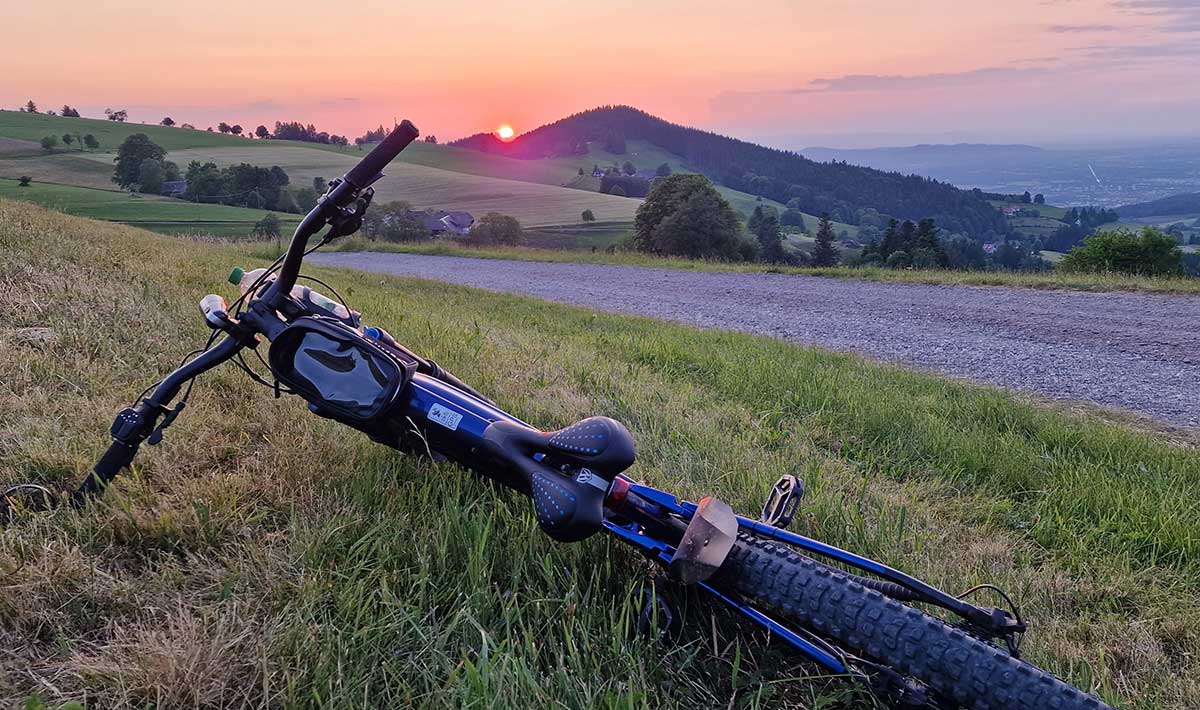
column 1150, row 253
column 588, row 216
column 268, row 227
column 24, row 181
column 496, row 228
column 899, row 260
column 49, row 142
column 685, row 216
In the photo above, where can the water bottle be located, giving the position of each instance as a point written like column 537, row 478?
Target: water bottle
column 246, row 279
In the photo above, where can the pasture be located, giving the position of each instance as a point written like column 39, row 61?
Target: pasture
column 263, row 556
column 160, row 214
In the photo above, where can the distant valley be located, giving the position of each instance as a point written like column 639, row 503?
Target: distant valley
column 1102, row 176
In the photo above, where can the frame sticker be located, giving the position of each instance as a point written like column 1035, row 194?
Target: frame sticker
column 444, row 416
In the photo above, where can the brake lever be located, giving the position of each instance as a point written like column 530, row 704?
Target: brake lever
column 347, row 220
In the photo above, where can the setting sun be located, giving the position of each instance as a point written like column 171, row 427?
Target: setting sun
column 505, row 132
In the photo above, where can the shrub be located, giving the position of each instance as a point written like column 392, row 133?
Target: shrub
column 1149, row 253
column 685, row 216
column 24, row 181
column 268, row 227
column 588, row 216
column 899, row 260
column 496, row 228
column 49, row 142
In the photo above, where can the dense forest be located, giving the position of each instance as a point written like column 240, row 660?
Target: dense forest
column 1079, row 223
column 1188, row 203
column 839, row 189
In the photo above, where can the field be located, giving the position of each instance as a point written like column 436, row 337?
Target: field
column 160, row 214
column 110, row 134
column 264, row 556
column 534, row 204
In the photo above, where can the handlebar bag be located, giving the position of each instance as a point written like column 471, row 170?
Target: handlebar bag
column 344, row 374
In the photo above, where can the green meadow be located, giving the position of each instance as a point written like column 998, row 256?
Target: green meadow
column 263, row 556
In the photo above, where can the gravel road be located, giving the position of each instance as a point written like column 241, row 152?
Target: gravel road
column 1129, row 351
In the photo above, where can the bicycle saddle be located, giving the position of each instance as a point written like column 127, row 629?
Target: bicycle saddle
column 569, row 503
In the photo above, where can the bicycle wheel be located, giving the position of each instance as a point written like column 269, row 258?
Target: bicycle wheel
column 956, row 666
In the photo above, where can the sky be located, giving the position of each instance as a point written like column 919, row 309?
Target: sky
column 845, row 72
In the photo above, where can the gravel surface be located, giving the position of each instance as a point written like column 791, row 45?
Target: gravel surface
column 1129, row 351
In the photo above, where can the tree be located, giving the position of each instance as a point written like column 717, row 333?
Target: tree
column 31, row 107
column 628, row 168
column 1149, row 253
column 135, row 149
column 1026, row 198
column 24, row 181
column 120, row 116
column 150, row 176
column 663, row 170
column 49, row 143
column 588, row 216
column 68, row 139
column 684, row 215
column 262, row 132
column 1039, row 199
column 90, row 141
column 223, row 127
column 927, row 242
column 188, row 126
column 320, row 185
column 167, row 121
column 431, row 139
column 764, row 224
column 306, row 198
column 825, row 253
column 235, row 129
column 269, row 227
column 68, row 112
column 496, row 228
column 793, row 218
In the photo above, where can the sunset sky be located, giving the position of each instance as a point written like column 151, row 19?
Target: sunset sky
column 790, row 73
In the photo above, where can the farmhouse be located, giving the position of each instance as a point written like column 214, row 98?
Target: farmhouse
column 443, row 221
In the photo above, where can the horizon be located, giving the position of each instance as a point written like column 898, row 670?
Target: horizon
column 1039, row 72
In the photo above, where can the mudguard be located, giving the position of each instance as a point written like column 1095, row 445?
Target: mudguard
column 706, row 543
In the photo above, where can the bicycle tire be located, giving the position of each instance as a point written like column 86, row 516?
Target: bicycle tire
column 959, row 667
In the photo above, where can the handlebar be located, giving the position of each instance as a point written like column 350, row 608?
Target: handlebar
column 369, row 167
column 339, row 197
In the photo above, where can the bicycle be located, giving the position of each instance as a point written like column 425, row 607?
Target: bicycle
column 850, row 614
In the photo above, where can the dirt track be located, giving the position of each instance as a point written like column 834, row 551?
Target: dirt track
column 1129, row 351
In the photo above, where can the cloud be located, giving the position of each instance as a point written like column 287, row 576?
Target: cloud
column 903, row 82
column 1159, row 50
column 344, row 101
column 1176, row 15
column 1079, row 29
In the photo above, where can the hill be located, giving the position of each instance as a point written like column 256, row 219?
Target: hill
column 839, row 189
column 1182, row 204
column 233, row 570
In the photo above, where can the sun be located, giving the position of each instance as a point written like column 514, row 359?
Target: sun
column 505, row 132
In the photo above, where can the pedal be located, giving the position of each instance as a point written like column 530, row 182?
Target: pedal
column 783, row 502
column 656, row 617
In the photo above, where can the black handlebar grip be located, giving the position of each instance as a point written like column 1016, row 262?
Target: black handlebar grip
column 364, row 173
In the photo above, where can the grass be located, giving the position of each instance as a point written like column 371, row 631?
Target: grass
column 110, row 134
column 160, row 214
column 1045, row 281
column 262, row 556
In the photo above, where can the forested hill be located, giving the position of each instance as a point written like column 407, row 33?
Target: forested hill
column 1187, row 203
column 842, row 190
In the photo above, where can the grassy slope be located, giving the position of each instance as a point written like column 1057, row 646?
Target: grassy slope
column 32, row 127
column 158, row 213
column 261, row 555
column 1048, row 280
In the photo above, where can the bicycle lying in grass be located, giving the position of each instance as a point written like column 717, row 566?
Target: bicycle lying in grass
column 847, row 613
